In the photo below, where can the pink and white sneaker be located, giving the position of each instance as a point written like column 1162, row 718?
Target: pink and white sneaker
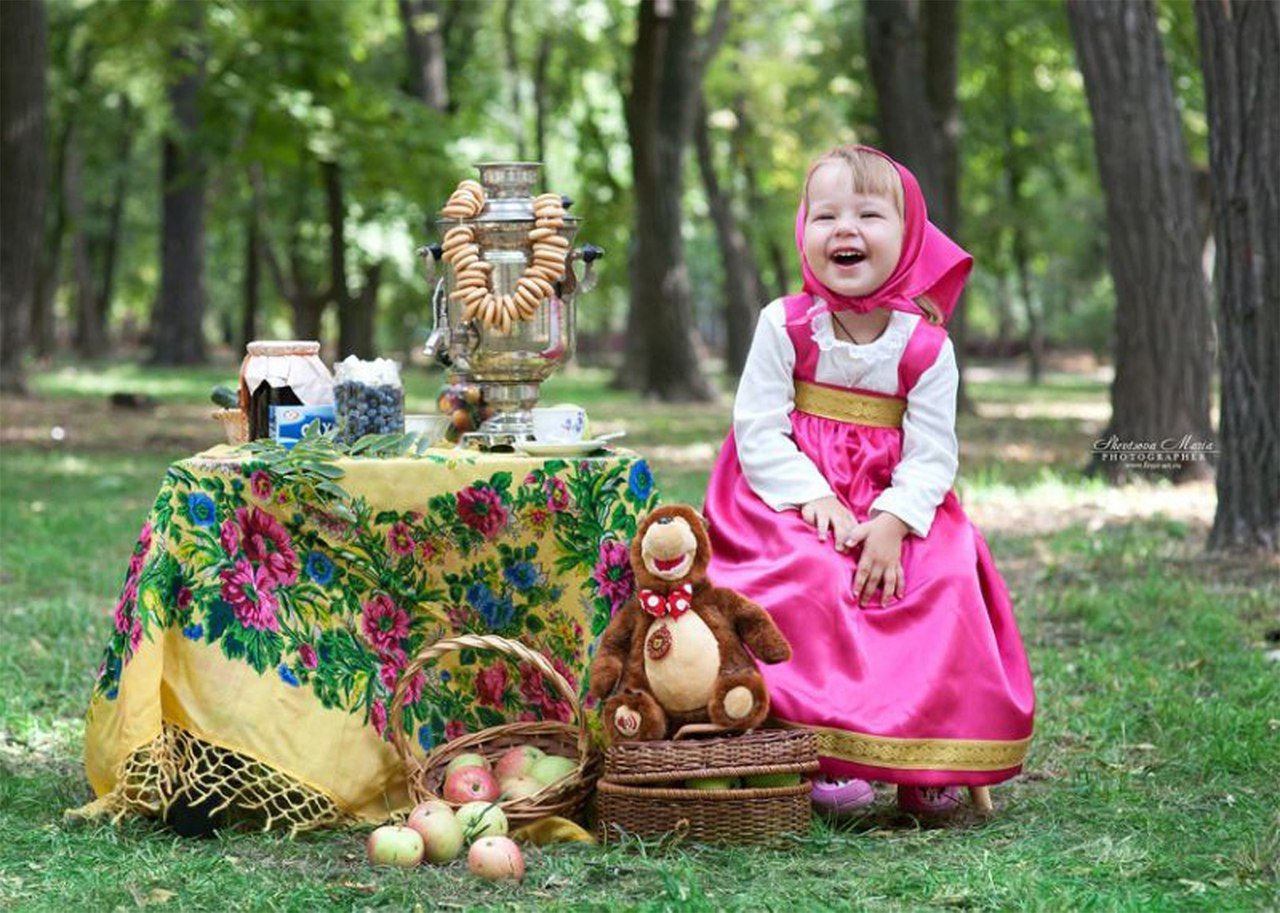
column 835, row 797
column 929, row 800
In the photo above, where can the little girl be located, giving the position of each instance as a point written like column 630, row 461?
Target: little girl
column 831, row 506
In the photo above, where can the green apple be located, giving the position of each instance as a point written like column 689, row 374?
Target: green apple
column 482, row 819
column 551, row 768
column 711, row 783
column 766, row 781
column 467, row 760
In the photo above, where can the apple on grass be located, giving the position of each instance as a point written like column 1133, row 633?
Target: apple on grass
column 440, row 831
column 470, row 759
column 393, row 844
column 517, row 762
column 496, row 859
column 482, row 819
column 551, row 768
column 470, row 784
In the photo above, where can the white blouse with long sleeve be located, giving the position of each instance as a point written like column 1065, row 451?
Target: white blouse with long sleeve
column 783, row 477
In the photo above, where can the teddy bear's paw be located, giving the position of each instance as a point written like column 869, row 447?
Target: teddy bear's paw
column 626, row 721
column 739, row 702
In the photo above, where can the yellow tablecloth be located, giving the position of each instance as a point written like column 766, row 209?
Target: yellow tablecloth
column 267, row 612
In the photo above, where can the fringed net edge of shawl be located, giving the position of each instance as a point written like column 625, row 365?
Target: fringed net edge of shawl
column 178, row 766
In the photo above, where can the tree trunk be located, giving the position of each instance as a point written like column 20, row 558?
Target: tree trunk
column 510, row 56
column 1162, row 358
column 904, row 113
column 667, row 65
column 755, row 200
column 540, row 105
column 1240, row 54
column 307, row 300
column 1019, row 246
column 912, row 53
column 424, row 45
column 177, row 322
column 1035, row 320
column 252, row 275
column 104, row 250
column 355, row 312
column 89, row 342
column 742, row 288
column 23, row 55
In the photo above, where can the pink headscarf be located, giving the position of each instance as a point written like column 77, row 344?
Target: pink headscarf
column 931, row 264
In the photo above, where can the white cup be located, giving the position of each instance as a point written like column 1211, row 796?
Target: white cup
column 559, row 424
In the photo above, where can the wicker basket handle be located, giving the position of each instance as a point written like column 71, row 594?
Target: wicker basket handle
column 494, row 643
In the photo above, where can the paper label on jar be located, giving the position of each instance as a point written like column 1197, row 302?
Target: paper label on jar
column 289, row 422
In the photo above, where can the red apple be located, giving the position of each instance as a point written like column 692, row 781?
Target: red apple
column 393, row 844
column 518, row 761
column 441, row 833
column 519, row 787
column 496, row 859
column 471, row 759
column 471, row 784
column 482, row 819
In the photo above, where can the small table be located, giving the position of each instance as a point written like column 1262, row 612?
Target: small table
column 269, row 608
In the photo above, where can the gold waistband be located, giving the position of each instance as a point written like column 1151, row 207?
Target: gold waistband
column 847, row 406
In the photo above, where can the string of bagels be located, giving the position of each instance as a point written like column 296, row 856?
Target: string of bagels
column 473, row 288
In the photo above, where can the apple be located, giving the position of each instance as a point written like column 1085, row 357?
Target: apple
column 552, row 768
column 482, row 819
column 519, row 787
column 471, row 759
column 470, row 784
column 518, row 761
column 496, row 859
column 710, row 783
column 766, row 781
column 393, row 844
column 441, row 833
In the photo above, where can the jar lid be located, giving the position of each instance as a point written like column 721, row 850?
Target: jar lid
column 283, row 347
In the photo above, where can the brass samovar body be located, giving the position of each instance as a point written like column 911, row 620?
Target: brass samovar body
column 508, row 366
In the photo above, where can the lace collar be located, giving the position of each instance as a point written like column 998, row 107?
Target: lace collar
column 888, row 344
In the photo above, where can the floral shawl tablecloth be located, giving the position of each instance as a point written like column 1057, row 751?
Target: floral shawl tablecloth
column 266, row 616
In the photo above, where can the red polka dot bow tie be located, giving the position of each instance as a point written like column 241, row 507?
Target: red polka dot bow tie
column 675, row 603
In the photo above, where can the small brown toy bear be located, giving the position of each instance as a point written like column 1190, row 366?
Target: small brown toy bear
column 673, row 654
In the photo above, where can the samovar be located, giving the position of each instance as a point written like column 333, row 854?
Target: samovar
column 507, row 364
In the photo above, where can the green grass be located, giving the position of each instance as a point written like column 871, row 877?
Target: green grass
column 1151, row 783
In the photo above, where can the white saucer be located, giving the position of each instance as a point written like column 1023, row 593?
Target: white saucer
column 565, row 448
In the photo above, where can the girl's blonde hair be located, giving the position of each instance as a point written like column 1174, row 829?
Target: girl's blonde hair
column 873, row 175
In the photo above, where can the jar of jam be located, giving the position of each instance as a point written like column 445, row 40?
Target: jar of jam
column 281, row 373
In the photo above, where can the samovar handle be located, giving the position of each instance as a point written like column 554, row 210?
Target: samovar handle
column 437, row 346
column 588, row 254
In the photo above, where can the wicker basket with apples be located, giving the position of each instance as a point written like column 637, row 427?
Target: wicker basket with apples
column 530, row 769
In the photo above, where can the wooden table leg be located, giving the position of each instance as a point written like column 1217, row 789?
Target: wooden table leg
column 980, row 796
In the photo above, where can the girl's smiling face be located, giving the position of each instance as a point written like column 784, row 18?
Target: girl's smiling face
column 852, row 240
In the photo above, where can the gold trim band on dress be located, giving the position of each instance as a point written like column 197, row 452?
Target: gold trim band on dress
column 916, row 754
column 848, row 406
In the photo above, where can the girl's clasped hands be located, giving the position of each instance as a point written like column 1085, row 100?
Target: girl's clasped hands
column 880, row 565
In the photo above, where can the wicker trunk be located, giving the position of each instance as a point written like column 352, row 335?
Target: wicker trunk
column 642, row 791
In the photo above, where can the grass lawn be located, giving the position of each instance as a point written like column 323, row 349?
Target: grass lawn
column 1151, row 783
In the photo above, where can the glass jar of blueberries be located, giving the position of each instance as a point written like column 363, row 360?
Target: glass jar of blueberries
column 368, row 398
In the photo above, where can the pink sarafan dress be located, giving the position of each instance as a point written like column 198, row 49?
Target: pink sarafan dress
column 932, row 689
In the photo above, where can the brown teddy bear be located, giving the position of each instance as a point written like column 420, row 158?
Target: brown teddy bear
column 673, row 654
